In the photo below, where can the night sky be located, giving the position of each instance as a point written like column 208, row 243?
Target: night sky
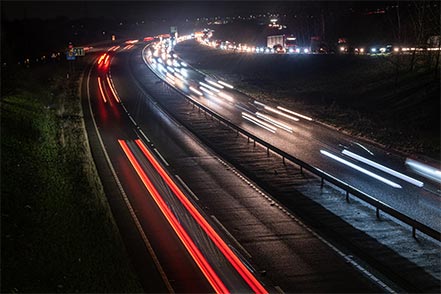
column 141, row 9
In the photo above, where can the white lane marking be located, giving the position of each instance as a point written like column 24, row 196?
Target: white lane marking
column 160, row 156
column 133, row 121
column 231, row 236
column 383, row 168
column 187, row 188
column 144, row 135
column 360, row 169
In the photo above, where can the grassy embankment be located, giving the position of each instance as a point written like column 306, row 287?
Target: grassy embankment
column 58, row 234
column 380, row 98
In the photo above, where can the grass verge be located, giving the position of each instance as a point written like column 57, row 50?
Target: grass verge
column 58, row 234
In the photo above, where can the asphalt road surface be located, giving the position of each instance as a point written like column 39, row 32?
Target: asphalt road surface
column 342, row 156
column 281, row 252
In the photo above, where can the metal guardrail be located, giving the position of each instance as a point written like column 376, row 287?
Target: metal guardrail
column 379, row 205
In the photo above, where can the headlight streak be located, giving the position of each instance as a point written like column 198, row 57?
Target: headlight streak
column 259, row 122
column 274, row 122
column 266, row 107
column 294, row 113
column 180, row 77
column 383, row 168
column 196, row 91
column 175, row 63
column 206, row 90
column 424, row 170
column 170, row 78
column 214, row 83
column 217, row 240
column 186, row 240
column 184, row 73
column 209, row 87
column 170, row 69
column 225, row 84
column 225, row 96
column 100, row 86
column 364, row 148
column 360, row 169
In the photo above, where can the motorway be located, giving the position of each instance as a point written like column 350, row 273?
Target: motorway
column 190, row 260
column 378, row 173
column 151, row 157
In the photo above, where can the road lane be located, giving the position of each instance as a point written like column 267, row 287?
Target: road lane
column 309, row 138
column 288, row 253
column 114, row 124
column 180, row 268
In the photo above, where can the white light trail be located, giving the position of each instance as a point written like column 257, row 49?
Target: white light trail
column 170, row 80
column 225, row 84
column 258, row 122
column 361, row 146
column 180, row 77
column 184, row 73
column 274, row 122
column 424, row 170
column 225, row 96
column 195, row 91
column 168, row 75
column 360, row 169
column 206, row 90
column 383, row 168
column 209, row 87
column 214, row 84
column 294, row 113
column 276, row 111
column 170, row 69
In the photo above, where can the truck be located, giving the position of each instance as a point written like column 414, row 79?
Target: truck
column 317, row 45
column 282, row 43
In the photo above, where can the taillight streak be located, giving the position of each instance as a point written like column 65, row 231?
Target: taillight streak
column 101, row 58
column 217, row 240
column 191, row 247
column 100, row 86
column 112, row 89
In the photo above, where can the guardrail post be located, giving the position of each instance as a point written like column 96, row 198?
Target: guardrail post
column 254, row 143
column 414, row 232
column 347, row 196
column 322, row 182
column 283, row 159
column 237, row 133
column 267, row 151
column 378, row 212
column 248, row 139
column 301, row 170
